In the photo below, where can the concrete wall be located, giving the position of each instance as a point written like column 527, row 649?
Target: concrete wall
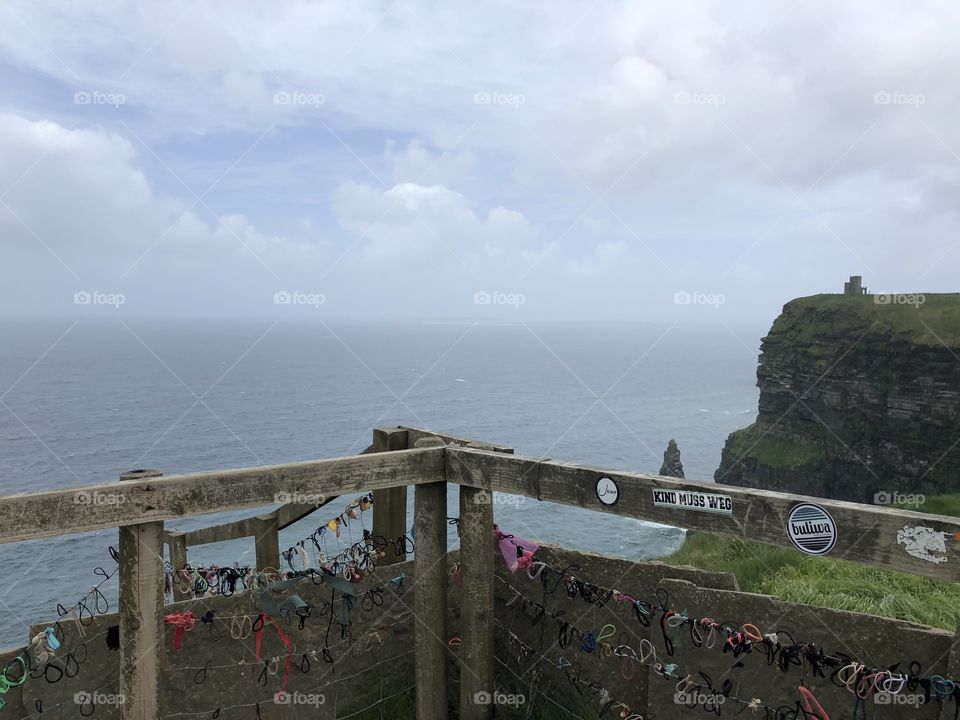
column 360, row 677
column 880, row 641
column 362, row 672
column 554, row 686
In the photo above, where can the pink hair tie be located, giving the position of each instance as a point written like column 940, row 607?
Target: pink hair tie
column 523, row 562
column 809, row 702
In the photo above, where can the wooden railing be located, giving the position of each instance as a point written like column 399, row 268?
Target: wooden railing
column 402, row 457
column 390, row 519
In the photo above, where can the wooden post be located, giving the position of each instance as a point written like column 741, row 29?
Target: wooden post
column 390, row 505
column 141, row 610
column 267, row 542
column 476, row 603
column 430, row 600
column 177, row 543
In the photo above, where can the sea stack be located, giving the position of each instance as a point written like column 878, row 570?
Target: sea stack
column 672, row 467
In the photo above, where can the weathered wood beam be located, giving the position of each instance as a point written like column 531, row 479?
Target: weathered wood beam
column 390, row 505
column 476, row 604
column 430, row 600
column 95, row 507
column 141, row 611
column 287, row 515
column 414, row 434
column 866, row 534
column 267, row 543
column 178, row 558
column 290, row 513
column 244, row 528
column 247, row 527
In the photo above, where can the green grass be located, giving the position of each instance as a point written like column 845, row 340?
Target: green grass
column 822, row 582
column 937, row 505
column 930, row 322
column 773, row 451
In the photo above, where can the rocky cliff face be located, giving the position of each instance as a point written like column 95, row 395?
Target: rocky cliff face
column 857, row 397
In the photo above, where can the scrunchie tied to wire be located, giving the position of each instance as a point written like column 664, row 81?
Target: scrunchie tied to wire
column 182, row 622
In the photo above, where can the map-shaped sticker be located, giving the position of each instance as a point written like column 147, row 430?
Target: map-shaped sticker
column 924, row 543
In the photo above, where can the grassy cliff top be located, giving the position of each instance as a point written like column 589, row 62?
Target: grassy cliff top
column 922, row 318
column 825, row 582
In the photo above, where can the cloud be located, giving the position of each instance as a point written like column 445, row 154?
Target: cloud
column 698, row 144
column 76, row 190
column 415, row 163
column 414, row 225
column 76, row 208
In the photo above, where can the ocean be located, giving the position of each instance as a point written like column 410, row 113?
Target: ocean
column 83, row 400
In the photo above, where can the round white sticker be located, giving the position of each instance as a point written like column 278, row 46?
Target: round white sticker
column 607, row 491
column 811, row 529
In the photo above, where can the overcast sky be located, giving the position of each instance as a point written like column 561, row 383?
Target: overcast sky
column 496, row 161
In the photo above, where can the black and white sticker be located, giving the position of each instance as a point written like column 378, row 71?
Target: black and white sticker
column 924, row 543
column 607, row 491
column 811, row 529
column 690, row 500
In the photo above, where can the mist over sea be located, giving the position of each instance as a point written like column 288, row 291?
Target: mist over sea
column 84, row 400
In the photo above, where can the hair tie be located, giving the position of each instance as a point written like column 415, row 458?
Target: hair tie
column 52, row 641
column 589, row 643
column 808, row 701
column 651, row 651
column 182, row 622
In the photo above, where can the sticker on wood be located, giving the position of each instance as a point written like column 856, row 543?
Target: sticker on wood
column 811, row 529
column 924, row 543
column 607, row 490
column 689, row 500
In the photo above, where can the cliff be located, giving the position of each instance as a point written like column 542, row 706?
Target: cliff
column 857, row 397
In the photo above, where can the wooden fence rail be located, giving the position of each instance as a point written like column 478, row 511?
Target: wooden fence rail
column 96, row 507
column 867, row 534
column 880, row 536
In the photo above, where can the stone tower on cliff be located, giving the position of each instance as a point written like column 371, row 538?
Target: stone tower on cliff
column 854, row 286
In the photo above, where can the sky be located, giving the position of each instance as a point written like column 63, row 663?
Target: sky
column 498, row 162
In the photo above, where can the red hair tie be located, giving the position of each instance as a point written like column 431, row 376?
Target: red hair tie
column 181, row 622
